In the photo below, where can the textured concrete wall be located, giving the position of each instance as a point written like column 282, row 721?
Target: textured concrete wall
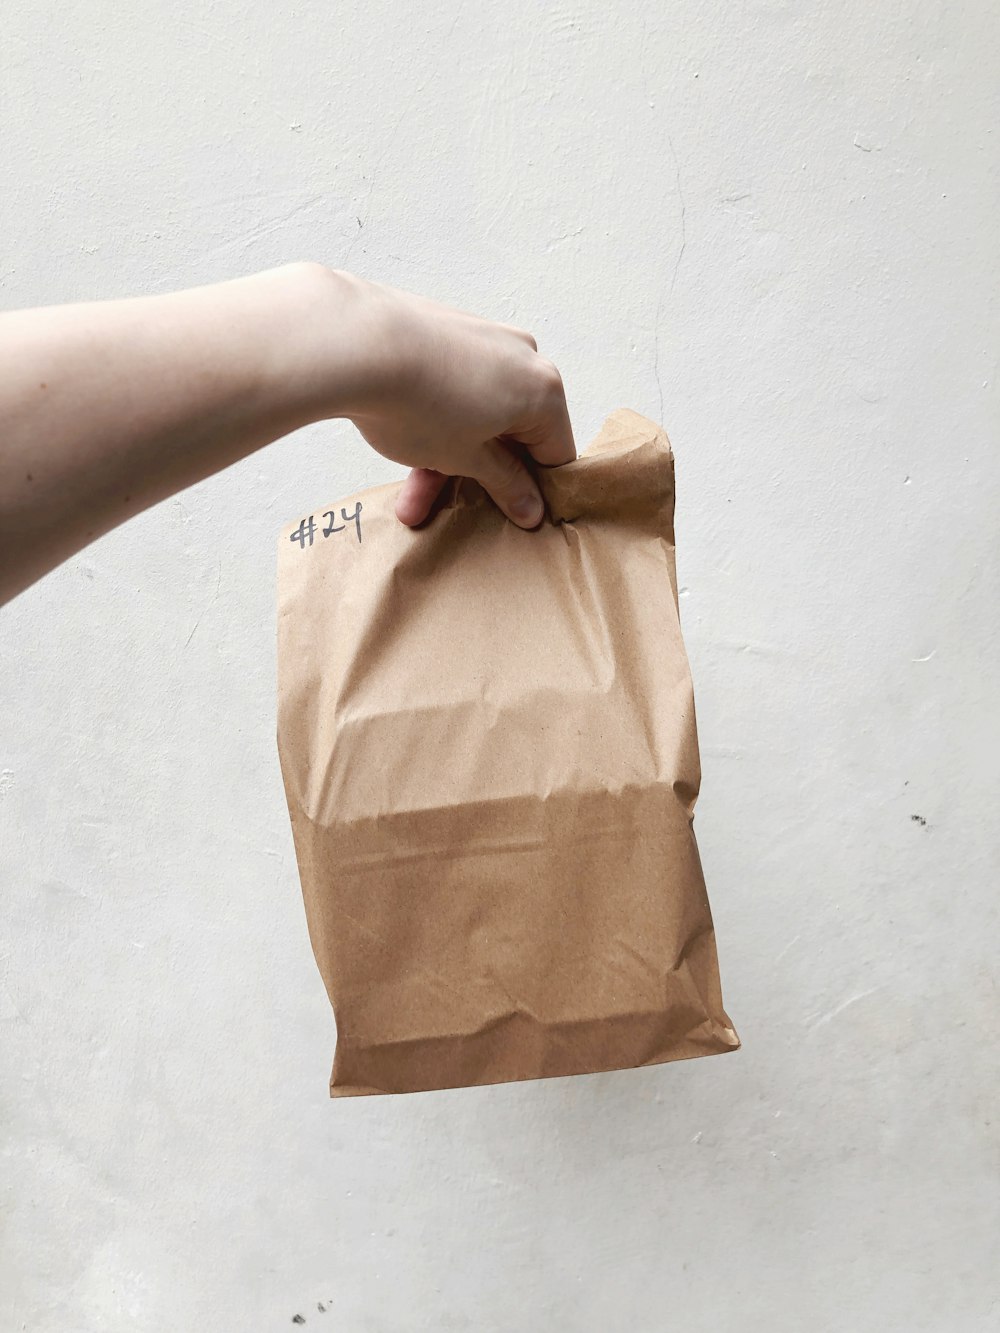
column 773, row 226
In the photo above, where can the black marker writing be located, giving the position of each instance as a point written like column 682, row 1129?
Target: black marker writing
column 353, row 518
column 305, row 533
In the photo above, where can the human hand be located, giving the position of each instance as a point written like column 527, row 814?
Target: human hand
column 150, row 394
column 450, row 394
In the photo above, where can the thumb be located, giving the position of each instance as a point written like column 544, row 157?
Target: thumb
column 505, row 478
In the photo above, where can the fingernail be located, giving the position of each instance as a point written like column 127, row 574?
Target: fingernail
column 527, row 509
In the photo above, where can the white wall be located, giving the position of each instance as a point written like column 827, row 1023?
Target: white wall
column 778, row 220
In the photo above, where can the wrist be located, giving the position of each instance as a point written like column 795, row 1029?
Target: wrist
column 334, row 347
column 299, row 333
column 379, row 360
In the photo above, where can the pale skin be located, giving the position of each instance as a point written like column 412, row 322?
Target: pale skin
column 108, row 407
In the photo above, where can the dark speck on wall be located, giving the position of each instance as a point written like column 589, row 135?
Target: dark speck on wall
column 298, row 1319
column 321, row 1307
column 919, row 819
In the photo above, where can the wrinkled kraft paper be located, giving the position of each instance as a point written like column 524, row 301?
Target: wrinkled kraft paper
column 487, row 739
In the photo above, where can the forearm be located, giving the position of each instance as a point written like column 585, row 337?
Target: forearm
column 108, row 407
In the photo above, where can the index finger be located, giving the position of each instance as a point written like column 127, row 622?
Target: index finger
column 547, row 434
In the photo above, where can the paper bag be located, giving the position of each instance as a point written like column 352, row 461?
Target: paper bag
column 487, row 740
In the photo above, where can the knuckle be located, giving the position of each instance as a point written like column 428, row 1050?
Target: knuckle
column 549, row 377
column 522, row 335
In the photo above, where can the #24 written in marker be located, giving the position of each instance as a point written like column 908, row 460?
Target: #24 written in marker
column 305, row 533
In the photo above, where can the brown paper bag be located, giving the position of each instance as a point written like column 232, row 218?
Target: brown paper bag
column 487, row 740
